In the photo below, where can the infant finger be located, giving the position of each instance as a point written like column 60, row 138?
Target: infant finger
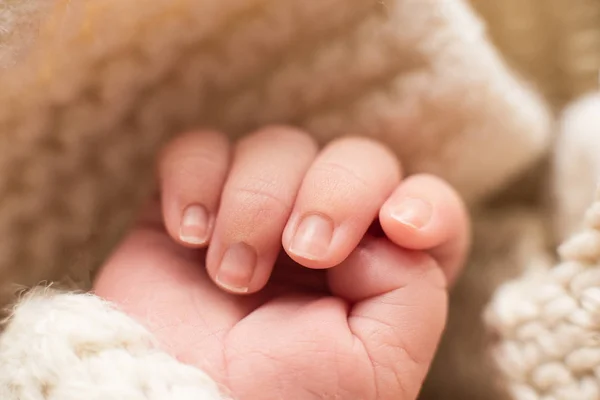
column 425, row 213
column 192, row 171
column 265, row 175
column 338, row 201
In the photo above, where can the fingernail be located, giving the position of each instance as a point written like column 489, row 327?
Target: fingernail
column 415, row 213
column 194, row 225
column 237, row 268
column 313, row 237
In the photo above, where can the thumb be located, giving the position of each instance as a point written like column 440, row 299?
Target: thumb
column 399, row 311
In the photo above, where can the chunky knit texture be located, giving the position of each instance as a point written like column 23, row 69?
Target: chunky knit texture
column 548, row 320
column 81, row 347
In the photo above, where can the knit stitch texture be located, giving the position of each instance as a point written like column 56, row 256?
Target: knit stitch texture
column 81, row 347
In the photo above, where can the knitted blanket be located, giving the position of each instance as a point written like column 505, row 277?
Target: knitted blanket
column 88, row 100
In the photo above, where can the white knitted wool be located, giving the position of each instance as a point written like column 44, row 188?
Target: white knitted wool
column 548, row 321
column 74, row 346
column 549, row 324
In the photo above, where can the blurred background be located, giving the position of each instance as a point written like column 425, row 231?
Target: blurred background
column 555, row 43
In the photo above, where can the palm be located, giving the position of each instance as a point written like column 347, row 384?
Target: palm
column 292, row 340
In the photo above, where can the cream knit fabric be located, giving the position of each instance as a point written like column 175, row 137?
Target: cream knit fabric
column 549, row 323
column 548, row 320
column 75, row 346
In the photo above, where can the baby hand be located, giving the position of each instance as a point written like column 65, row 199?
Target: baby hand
column 309, row 302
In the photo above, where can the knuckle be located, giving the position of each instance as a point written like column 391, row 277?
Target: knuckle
column 201, row 161
column 196, row 169
column 193, row 161
column 258, row 198
column 340, row 175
